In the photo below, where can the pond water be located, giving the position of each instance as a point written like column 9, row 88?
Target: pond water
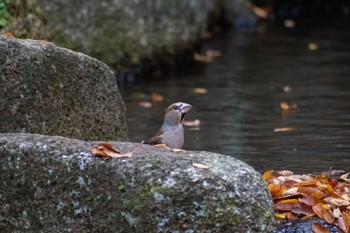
column 245, row 86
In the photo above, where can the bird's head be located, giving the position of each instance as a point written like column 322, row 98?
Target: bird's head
column 176, row 112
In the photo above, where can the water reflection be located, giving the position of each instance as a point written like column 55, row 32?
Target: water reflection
column 245, row 88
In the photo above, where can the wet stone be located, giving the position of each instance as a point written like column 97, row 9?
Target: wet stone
column 54, row 184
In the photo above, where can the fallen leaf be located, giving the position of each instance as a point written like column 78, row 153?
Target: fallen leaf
column 9, row 34
column 344, row 222
column 313, row 46
column 280, row 215
column 321, row 212
column 156, row 97
column 211, row 53
column 318, row 228
column 200, row 90
column 345, row 177
column 161, row 145
column 105, row 150
column 288, row 23
column 194, row 123
column 199, row 165
column 201, row 58
column 288, row 106
column 336, row 213
column 301, row 208
column 284, row 129
column 307, row 199
column 287, row 89
column 145, row 104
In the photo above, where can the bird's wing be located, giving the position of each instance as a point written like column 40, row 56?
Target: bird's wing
column 157, row 138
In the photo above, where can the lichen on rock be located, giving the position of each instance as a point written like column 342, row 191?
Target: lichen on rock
column 55, row 184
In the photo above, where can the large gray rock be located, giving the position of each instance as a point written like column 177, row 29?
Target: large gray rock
column 123, row 32
column 51, row 90
column 54, row 184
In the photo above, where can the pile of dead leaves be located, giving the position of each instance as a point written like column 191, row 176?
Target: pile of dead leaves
column 303, row 196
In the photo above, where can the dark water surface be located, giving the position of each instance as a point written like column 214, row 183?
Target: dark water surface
column 244, row 86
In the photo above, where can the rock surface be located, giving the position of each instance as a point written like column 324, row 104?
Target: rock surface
column 51, row 90
column 124, row 32
column 54, row 184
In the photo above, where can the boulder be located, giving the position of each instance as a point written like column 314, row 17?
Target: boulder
column 55, row 184
column 51, row 90
column 123, row 33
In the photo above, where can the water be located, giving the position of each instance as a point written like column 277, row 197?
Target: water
column 244, row 86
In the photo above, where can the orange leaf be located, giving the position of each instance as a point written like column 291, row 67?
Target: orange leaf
column 306, row 183
column 312, row 191
column 318, row 228
column 267, row 175
column 307, row 199
column 323, row 213
column 156, row 97
column 9, row 34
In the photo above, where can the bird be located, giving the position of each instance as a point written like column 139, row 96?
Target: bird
column 171, row 133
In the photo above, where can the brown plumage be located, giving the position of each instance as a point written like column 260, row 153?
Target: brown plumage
column 172, row 132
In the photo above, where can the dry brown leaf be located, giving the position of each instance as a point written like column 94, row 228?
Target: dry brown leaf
column 283, row 129
column 344, row 222
column 301, row 208
column 318, row 228
column 202, row 58
column 156, row 97
column 345, row 177
column 199, row 165
column 145, row 104
column 161, row 145
column 337, row 201
column 107, row 151
column 287, row 106
column 194, row 123
column 9, row 34
column 200, row 90
column 313, row 46
column 323, row 213
column 307, row 199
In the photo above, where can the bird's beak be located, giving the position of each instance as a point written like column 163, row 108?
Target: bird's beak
column 185, row 108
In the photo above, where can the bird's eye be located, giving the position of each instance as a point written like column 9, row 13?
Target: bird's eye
column 176, row 107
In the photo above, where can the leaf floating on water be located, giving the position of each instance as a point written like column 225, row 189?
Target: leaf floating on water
column 287, row 106
column 145, row 104
column 287, row 89
column 284, row 129
column 199, row 165
column 156, row 97
column 200, row 90
column 313, row 46
column 194, row 123
column 201, row 58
